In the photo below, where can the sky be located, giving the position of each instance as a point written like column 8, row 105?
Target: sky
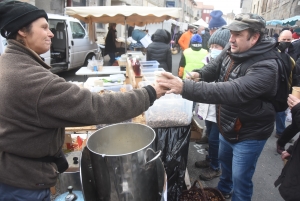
column 226, row 6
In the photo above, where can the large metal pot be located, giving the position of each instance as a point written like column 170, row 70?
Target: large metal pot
column 120, row 165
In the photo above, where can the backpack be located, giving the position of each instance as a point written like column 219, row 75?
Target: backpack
column 286, row 66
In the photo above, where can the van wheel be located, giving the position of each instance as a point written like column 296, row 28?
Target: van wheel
column 89, row 57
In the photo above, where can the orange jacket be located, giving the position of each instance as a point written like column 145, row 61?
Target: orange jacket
column 185, row 39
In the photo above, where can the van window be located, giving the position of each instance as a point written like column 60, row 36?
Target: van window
column 77, row 30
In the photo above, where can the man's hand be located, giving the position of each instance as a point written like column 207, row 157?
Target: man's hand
column 195, row 76
column 160, row 90
column 172, row 83
column 285, row 155
column 292, row 101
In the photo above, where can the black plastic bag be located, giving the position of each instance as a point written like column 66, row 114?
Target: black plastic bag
column 174, row 144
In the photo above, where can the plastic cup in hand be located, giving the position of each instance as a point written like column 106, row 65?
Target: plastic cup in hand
column 296, row 92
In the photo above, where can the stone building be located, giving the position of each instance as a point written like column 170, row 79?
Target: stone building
column 276, row 9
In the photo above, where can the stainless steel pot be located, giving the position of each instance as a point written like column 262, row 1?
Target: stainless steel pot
column 71, row 177
column 120, row 165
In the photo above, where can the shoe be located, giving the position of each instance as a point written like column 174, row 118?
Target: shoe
column 209, row 173
column 203, row 140
column 227, row 196
column 202, row 164
column 279, row 148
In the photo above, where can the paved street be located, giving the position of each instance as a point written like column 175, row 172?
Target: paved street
column 268, row 167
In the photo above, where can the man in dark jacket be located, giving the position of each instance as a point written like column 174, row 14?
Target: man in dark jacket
column 159, row 49
column 245, row 119
column 289, row 179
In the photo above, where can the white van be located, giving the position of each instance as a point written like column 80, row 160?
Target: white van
column 71, row 47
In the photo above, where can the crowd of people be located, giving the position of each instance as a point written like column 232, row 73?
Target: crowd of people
column 235, row 106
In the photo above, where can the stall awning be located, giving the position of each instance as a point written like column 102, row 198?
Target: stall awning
column 291, row 21
column 274, row 22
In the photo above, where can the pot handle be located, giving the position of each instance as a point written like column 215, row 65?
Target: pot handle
column 158, row 153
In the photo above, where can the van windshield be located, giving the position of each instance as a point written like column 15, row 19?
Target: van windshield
column 77, row 30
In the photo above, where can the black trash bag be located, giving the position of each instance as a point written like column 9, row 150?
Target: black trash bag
column 174, row 144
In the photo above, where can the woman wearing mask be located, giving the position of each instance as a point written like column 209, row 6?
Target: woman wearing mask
column 36, row 106
column 207, row 112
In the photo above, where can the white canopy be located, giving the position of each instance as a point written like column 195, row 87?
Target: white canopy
column 134, row 15
column 201, row 22
column 131, row 15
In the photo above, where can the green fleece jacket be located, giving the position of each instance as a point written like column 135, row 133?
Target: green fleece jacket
column 35, row 107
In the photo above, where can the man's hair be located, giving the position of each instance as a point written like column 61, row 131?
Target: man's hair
column 251, row 33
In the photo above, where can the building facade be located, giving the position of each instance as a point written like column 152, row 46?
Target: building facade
column 275, row 9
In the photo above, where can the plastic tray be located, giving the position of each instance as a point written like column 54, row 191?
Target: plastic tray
column 149, row 64
column 116, row 88
column 150, row 71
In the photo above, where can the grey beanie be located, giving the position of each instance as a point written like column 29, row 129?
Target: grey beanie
column 220, row 37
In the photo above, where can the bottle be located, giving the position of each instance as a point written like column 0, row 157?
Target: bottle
column 136, row 67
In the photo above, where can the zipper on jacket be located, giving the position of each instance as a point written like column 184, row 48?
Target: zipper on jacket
column 224, row 80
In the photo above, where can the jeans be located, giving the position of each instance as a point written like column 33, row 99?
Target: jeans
column 19, row 194
column 213, row 142
column 238, row 162
column 112, row 58
column 280, row 122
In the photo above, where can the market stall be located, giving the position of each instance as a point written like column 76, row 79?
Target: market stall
column 131, row 15
column 169, row 117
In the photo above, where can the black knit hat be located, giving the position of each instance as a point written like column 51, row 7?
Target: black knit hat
column 14, row 15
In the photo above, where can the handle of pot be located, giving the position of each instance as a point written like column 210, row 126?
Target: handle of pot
column 158, row 153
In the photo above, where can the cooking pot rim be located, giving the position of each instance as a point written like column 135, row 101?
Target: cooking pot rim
column 125, row 154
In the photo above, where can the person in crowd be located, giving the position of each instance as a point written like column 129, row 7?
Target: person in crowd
column 137, row 35
column 192, row 57
column 159, row 49
column 296, row 34
column 216, row 22
column 36, row 105
column 110, row 43
column 217, row 43
column 245, row 120
column 184, row 40
column 130, row 29
column 289, row 178
column 291, row 130
column 275, row 36
column 284, row 37
column 205, row 37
